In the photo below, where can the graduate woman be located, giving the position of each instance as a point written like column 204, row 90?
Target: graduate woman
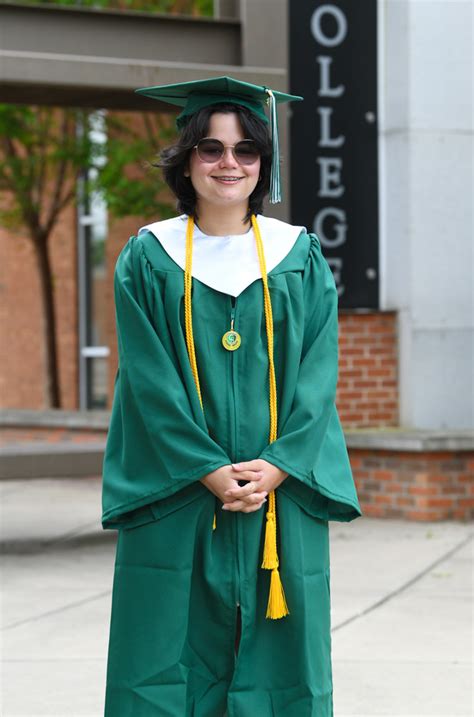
column 225, row 458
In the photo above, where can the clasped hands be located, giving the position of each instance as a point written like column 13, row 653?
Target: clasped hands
column 262, row 477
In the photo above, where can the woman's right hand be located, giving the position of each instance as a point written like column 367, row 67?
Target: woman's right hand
column 225, row 478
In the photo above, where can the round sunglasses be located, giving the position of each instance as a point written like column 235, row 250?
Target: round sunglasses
column 212, row 150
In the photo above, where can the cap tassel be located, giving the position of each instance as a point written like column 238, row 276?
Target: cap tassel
column 275, row 182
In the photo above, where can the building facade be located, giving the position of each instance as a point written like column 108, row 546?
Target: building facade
column 406, row 361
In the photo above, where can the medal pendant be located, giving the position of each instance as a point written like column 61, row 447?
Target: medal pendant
column 231, row 340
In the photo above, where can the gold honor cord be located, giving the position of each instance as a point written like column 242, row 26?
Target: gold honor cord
column 188, row 321
column 277, row 606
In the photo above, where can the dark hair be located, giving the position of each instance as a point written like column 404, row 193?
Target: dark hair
column 174, row 160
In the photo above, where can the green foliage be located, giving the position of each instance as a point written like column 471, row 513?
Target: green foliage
column 127, row 180
column 40, row 151
column 176, row 7
column 44, row 151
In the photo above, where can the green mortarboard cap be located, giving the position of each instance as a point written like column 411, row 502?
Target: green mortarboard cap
column 193, row 96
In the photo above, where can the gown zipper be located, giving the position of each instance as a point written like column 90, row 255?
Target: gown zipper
column 233, row 452
column 233, row 310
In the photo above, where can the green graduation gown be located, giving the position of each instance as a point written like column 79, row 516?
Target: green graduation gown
column 178, row 582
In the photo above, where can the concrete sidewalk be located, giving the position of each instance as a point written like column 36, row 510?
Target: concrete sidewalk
column 401, row 598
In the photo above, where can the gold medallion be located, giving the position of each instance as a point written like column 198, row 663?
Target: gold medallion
column 231, row 340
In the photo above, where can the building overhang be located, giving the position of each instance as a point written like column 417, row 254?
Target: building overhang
column 42, row 78
column 72, row 56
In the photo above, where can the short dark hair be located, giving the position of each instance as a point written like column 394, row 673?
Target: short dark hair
column 174, row 160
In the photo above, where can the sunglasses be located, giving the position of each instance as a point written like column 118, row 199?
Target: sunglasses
column 212, row 150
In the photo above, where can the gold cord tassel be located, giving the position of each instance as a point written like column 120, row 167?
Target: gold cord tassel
column 277, row 606
column 270, row 554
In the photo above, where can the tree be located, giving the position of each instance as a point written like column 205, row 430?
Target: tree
column 42, row 156
column 43, row 153
column 173, row 7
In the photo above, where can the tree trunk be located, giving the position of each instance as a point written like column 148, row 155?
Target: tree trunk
column 49, row 323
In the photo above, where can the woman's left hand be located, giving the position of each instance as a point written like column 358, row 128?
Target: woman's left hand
column 271, row 479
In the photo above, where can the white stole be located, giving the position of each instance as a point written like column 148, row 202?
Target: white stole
column 228, row 264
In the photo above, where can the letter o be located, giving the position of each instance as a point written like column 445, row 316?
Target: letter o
column 316, row 28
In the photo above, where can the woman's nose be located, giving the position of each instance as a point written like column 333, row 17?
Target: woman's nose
column 228, row 159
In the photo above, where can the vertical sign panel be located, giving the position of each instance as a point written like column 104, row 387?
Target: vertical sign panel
column 334, row 183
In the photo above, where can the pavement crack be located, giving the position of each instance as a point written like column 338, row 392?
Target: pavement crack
column 63, row 608
column 76, row 537
column 404, row 586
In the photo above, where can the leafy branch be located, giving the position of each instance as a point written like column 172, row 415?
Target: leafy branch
column 44, row 151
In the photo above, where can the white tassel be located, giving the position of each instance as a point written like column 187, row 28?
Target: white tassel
column 275, row 182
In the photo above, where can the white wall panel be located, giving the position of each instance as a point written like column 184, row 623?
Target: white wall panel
column 426, row 197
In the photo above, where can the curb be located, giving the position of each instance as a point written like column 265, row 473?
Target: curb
column 40, row 460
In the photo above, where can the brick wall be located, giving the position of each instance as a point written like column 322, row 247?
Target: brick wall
column 415, row 485
column 367, row 394
column 21, row 336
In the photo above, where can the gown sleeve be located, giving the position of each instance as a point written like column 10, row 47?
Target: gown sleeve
column 157, row 448
column 310, row 446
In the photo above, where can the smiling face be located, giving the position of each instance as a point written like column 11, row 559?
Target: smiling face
column 225, row 182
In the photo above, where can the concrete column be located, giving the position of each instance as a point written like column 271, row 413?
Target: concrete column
column 265, row 44
column 226, row 8
column 426, row 140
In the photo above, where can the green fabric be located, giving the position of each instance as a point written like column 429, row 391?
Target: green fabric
column 197, row 102
column 177, row 582
column 192, row 96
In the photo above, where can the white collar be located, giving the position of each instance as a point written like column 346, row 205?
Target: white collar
column 226, row 263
